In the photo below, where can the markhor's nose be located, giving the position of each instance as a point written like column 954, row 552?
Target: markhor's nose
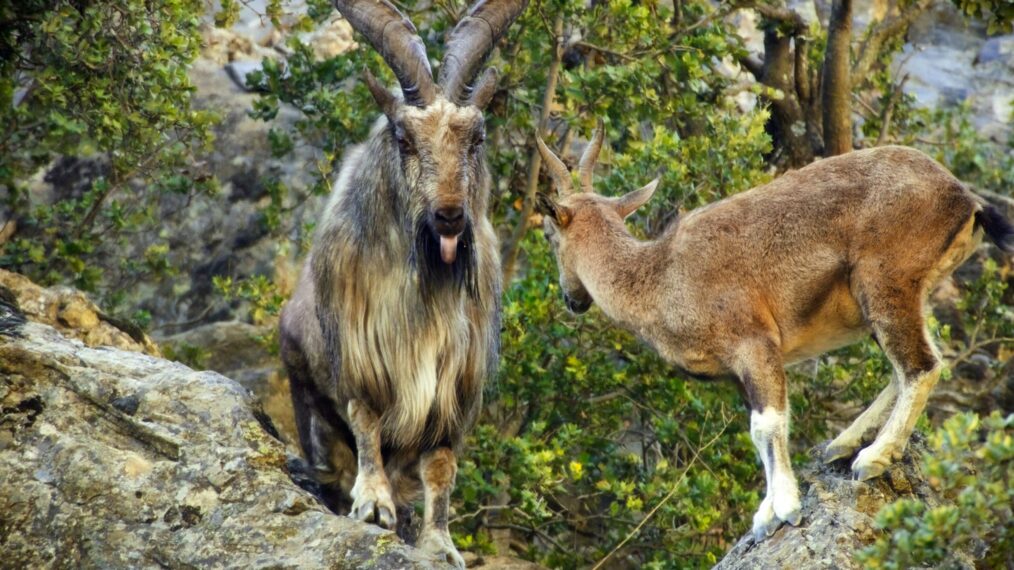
column 451, row 215
column 449, row 221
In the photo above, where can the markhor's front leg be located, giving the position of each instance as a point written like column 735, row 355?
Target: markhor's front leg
column 763, row 377
column 437, row 470
column 371, row 495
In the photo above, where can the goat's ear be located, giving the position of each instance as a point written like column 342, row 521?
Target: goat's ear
column 386, row 100
column 563, row 216
column 547, row 206
column 631, row 201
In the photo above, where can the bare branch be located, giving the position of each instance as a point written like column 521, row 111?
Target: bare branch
column 885, row 119
column 782, row 15
column 753, row 65
column 513, row 246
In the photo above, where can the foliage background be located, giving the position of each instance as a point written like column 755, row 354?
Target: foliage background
column 589, row 443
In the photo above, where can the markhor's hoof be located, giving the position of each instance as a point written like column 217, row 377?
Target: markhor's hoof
column 835, row 451
column 865, row 468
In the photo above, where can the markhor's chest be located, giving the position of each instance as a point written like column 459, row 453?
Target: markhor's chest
column 411, row 362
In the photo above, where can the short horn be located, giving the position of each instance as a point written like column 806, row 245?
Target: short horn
column 396, row 39
column 471, row 41
column 586, row 167
column 557, row 169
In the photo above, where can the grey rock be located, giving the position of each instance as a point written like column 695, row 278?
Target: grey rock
column 838, row 517
column 189, row 479
column 232, row 346
column 998, row 48
column 234, row 349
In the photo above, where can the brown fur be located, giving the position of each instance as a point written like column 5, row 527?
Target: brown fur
column 815, row 260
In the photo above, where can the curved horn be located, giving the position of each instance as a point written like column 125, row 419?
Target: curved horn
column 395, row 38
column 557, row 169
column 472, row 40
column 586, row 167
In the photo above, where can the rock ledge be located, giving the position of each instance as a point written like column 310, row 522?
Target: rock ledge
column 117, row 459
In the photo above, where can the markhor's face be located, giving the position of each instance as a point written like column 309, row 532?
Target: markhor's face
column 441, row 148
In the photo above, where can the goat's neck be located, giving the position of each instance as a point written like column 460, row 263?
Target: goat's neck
column 623, row 274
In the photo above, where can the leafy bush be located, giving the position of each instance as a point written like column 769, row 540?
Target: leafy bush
column 972, row 463
column 999, row 14
column 591, row 441
column 106, row 81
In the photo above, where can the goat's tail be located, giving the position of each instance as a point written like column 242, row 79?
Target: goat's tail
column 997, row 227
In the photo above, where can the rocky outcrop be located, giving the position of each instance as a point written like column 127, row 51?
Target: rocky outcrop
column 113, row 458
column 72, row 313
column 838, row 517
column 237, row 350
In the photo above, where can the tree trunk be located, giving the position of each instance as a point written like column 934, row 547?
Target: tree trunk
column 837, row 86
column 788, row 124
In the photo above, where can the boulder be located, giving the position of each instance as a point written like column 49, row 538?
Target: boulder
column 838, row 516
column 237, row 350
column 72, row 313
column 113, row 458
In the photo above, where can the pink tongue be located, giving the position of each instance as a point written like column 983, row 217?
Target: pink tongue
column 448, row 248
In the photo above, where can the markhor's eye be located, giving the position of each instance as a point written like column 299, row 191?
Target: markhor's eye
column 404, row 139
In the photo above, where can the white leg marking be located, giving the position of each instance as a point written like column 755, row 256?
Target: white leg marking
column 893, row 438
column 872, row 417
column 769, row 430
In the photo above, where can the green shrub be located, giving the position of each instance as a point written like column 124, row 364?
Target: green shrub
column 106, row 81
column 971, row 463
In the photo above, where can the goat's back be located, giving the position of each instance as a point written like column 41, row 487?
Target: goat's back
column 891, row 201
column 788, row 253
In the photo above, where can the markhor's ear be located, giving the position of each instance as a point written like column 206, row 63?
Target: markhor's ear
column 631, row 201
column 384, row 98
column 562, row 215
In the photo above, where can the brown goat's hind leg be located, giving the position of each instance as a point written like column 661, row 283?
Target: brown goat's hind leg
column 873, row 417
column 371, row 494
column 761, row 371
column 905, row 339
column 437, row 470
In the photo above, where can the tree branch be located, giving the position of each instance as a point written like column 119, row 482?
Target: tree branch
column 881, row 33
column 837, row 81
column 885, row 118
column 535, row 159
column 782, row 15
column 753, row 65
column 802, row 71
